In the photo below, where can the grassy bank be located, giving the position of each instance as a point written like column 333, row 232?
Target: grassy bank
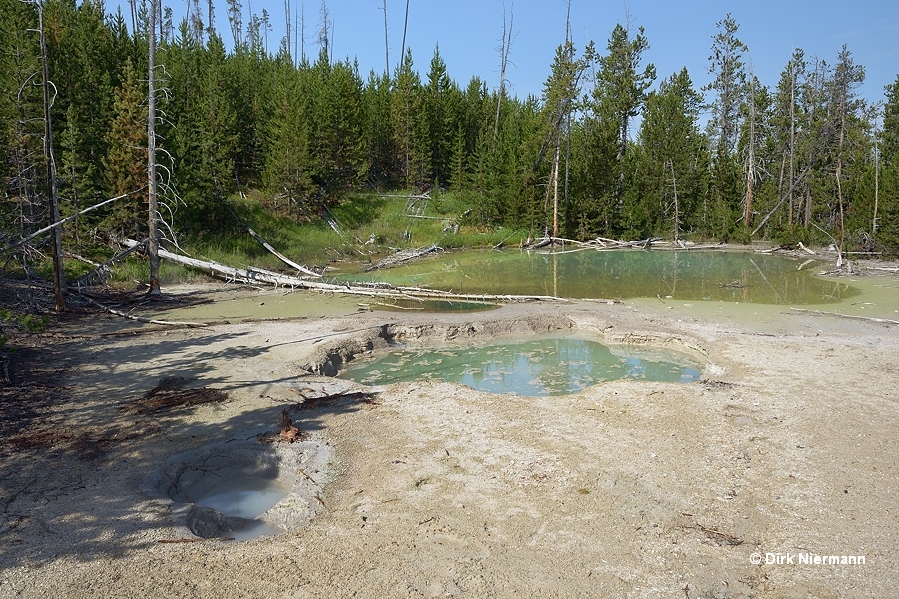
column 362, row 228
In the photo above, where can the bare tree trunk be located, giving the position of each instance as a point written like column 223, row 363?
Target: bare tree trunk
column 59, row 275
column 839, row 173
column 133, row 17
column 505, row 46
column 153, row 246
column 676, row 206
column 876, row 185
column 386, row 45
column 780, row 185
column 792, row 136
column 555, row 178
column 210, row 15
column 405, row 28
column 750, row 170
column 287, row 27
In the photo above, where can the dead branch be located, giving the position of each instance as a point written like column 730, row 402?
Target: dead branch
column 170, row 394
column 402, row 257
column 281, row 256
column 100, row 268
column 59, row 223
column 254, row 275
column 805, row 249
column 140, row 319
column 309, row 403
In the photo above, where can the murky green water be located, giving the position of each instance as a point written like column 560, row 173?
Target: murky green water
column 429, row 305
column 539, row 367
column 623, row 274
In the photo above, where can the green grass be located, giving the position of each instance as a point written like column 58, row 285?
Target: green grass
column 369, row 226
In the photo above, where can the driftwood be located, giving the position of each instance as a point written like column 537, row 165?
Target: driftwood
column 501, row 243
column 602, row 243
column 849, row 316
column 538, row 244
column 315, row 401
column 402, row 257
column 281, row 256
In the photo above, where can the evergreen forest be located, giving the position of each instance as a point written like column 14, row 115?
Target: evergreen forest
column 610, row 148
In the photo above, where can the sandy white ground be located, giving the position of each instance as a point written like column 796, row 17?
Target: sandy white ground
column 627, row 489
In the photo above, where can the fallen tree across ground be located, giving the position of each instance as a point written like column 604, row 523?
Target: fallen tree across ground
column 402, row 257
column 258, row 275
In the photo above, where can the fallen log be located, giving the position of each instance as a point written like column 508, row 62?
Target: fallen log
column 281, row 256
column 141, row 319
column 252, row 275
column 538, row 244
column 402, row 257
column 86, row 278
column 16, row 244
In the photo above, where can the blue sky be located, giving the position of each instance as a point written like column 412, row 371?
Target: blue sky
column 679, row 32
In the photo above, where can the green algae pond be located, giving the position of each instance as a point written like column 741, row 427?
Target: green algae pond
column 553, row 365
column 728, row 276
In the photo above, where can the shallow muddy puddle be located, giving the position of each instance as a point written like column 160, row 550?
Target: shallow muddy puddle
column 537, row 367
column 243, row 304
column 876, row 297
column 247, row 497
column 745, row 277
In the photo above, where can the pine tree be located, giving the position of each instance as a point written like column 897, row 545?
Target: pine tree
column 288, row 163
column 729, row 85
column 125, row 163
column 383, row 169
column 560, row 91
column 620, row 88
column 673, row 157
column 437, row 111
column 20, row 132
column 409, row 127
column 889, row 145
column 785, row 131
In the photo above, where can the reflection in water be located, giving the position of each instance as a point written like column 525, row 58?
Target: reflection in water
column 248, row 498
column 548, row 366
column 622, row 274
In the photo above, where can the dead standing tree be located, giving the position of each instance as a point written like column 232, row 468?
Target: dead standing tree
column 153, row 246
column 504, row 49
column 59, row 276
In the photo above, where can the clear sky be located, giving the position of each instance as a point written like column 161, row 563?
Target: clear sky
column 679, row 32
